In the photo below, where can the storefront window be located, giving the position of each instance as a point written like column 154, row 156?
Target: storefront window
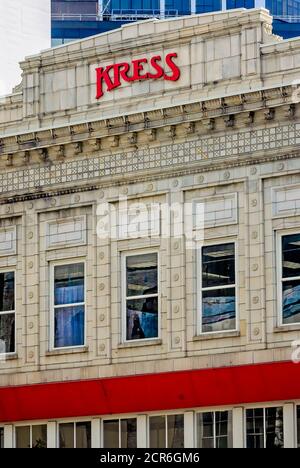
column 265, row 428
column 215, row 430
column 120, row 433
column 167, row 431
column 31, row 436
column 75, row 435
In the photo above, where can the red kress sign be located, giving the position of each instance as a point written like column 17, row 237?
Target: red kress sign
column 113, row 75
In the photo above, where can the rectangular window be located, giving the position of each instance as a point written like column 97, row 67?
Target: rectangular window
column 120, row 433
column 167, row 431
column 215, row 430
column 75, row 435
column 7, row 312
column 264, row 428
column 290, row 279
column 69, row 305
column 142, row 297
column 218, row 288
column 31, row 436
column 1, row 437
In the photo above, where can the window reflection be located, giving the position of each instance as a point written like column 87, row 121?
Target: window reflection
column 265, row 428
column 218, row 288
column 215, row 430
column 291, row 279
column 142, row 297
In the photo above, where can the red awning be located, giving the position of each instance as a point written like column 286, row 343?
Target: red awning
column 152, row 392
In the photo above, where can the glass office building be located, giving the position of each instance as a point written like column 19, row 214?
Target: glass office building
column 76, row 19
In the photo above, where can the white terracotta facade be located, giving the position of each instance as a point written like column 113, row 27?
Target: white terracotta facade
column 225, row 135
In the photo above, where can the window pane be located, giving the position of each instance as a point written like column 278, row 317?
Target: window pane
column 142, row 318
column 69, row 284
column 255, row 428
column 142, row 275
column 128, row 433
column 111, row 434
column 158, row 432
column 206, row 430
column 218, row 310
column 69, row 327
column 291, row 256
column 7, row 292
column 39, row 436
column 218, row 265
column 7, row 333
column 66, row 435
column 1, row 437
column 176, row 431
column 274, row 428
column 23, row 437
column 224, row 429
column 291, row 302
column 83, row 435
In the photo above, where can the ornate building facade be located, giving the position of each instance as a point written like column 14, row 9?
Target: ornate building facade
column 149, row 233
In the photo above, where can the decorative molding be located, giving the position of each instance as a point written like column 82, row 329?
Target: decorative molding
column 286, row 201
column 207, row 148
column 219, row 210
column 8, row 241
column 66, row 232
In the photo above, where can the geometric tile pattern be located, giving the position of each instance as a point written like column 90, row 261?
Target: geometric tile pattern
column 212, row 147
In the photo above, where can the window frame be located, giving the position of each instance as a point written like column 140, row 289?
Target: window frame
column 124, row 256
column 279, row 235
column 10, row 312
column 30, row 425
column 264, row 408
column 214, row 411
column 66, row 262
column 119, row 419
column 200, row 289
column 74, row 422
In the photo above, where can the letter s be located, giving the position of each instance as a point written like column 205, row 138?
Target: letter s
column 174, row 68
column 154, row 64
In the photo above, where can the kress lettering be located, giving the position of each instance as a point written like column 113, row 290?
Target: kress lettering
column 112, row 76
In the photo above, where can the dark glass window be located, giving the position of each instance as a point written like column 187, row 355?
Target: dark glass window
column 167, row 431
column 291, row 279
column 31, row 436
column 265, row 428
column 142, row 297
column 69, row 307
column 218, row 288
column 75, row 435
column 120, row 433
column 215, row 430
column 7, row 312
column 1, row 437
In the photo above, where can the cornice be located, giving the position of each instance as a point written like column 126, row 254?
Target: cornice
column 141, row 127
